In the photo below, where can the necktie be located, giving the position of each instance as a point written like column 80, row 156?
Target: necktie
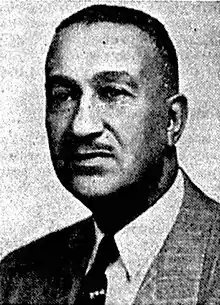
column 93, row 290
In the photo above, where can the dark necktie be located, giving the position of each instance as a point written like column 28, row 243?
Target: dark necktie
column 94, row 287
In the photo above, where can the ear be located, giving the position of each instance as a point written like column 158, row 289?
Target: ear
column 178, row 111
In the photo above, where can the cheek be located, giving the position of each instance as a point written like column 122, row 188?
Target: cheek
column 134, row 124
column 56, row 125
column 143, row 133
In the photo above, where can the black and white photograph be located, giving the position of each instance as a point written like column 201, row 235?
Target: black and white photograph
column 110, row 152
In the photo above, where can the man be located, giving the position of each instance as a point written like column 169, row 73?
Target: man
column 113, row 117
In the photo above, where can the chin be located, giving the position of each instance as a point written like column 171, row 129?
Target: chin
column 86, row 188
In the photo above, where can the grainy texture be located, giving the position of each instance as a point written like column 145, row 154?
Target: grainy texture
column 185, row 272
column 33, row 202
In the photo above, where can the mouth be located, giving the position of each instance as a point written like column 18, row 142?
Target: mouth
column 89, row 155
column 91, row 163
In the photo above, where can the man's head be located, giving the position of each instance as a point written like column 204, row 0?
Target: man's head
column 113, row 109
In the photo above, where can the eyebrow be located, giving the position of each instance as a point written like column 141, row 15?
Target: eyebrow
column 115, row 76
column 100, row 79
column 61, row 80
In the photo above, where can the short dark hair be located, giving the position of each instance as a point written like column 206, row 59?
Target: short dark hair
column 124, row 16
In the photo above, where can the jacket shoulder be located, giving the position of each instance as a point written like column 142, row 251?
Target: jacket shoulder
column 40, row 270
column 196, row 200
column 49, row 250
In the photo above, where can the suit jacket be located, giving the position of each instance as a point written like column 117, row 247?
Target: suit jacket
column 186, row 270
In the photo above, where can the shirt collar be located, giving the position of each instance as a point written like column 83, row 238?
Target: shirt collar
column 141, row 240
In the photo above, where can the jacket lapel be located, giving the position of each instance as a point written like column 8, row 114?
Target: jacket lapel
column 174, row 275
column 74, row 263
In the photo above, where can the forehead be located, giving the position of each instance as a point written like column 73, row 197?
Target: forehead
column 88, row 49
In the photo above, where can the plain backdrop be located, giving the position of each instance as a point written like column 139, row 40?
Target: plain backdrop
column 33, row 203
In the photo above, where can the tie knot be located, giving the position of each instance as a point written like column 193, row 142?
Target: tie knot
column 107, row 254
column 108, row 248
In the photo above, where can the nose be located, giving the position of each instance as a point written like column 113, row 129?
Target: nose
column 87, row 120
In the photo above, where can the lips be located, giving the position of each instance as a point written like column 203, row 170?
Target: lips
column 82, row 156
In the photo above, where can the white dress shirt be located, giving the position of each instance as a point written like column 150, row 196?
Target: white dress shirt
column 138, row 243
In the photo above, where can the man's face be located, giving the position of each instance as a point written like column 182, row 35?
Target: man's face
column 106, row 116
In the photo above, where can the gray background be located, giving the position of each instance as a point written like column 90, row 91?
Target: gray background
column 32, row 201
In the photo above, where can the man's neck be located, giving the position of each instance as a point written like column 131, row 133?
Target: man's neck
column 118, row 209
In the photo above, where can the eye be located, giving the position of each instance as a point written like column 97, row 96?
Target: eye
column 60, row 97
column 111, row 93
column 60, row 94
